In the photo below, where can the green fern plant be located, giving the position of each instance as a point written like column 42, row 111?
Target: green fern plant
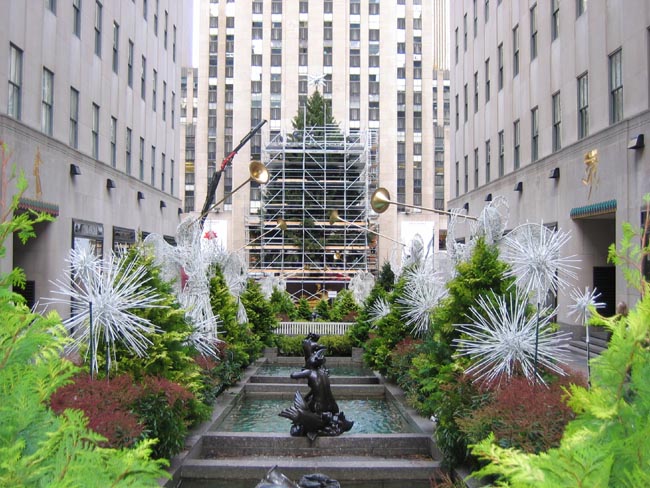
column 37, row 447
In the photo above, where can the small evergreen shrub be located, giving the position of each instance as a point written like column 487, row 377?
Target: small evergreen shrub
column 337, row 345
column 289, row 345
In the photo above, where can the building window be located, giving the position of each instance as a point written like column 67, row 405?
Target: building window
column 155, row 18
column 174, row 44
column 401, row 23
column 154, row 90
column 515, row 51
column 276, row 56
column 14, row 102
column 144, row 9
column 487, row 80
column 475, row 11
column 373, row 8
column 457, row 110
column 515, row 144
column 327, row 56
column 465, row 103
column 116, row 46
column 143, row 79
column 141, row 160
column 534, row 134
column 257, row 31
column 129, row 68
column 171, row 177
column 276, row 31
column 113, row 142
column 581, row 7
column 127, row 150
column 327, row 31
column 355, row 58
column 557, row 122
column 476, row 92
column 533, row 32
column 95, row 132
column 456, row 44
column 162, row 171
column 355, row 32
column 500, row 59
column 173, row 110
column 303, row 8
column 502, row 153
column 74, row 118
column 164, row 102
column 466, row 180
column 583, row 106
column 47, row 106
column 476, row 168
column 98, row 29
column 616, row 87
column 487, row 11
column 76, row 17
column 303, row 31
column 153, row 165
column 555, row 19
column 165, row 29
column 276, row 6
column 258, row 7
column 465, row 32
column 488, row 157
column 457, row 180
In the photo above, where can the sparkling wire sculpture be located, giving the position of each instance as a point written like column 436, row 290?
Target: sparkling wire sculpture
column 422, row 292
column 378, row 310
column 503, row 340
column 533, row 252
column 104, row 294
column 492, row 221
column 582, row 303
column 361, row 285
column 270, row 283
column 188, row 266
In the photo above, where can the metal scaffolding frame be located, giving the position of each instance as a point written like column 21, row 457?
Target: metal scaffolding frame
column 312, row 173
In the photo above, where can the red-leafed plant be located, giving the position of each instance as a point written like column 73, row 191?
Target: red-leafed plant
column 523, row 415
column 107, row 404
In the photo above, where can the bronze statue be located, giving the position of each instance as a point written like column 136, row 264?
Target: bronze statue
column 317, row 413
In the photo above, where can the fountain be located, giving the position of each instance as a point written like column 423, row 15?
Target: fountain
column 388, row 445
column 317, row 413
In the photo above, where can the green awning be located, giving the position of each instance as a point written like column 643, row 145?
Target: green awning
column 38, row 206
column 594, row 209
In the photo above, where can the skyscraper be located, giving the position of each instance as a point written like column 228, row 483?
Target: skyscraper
column 382, row 66
column 89, row 111
column 551, row 108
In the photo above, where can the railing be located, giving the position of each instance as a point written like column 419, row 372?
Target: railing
column 320, row 328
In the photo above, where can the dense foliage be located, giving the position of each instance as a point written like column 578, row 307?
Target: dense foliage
column 37, row 446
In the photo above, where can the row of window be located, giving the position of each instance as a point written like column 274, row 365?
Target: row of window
column 615, row 70
column 47, row 115
column 616, row 114
column 580, row 9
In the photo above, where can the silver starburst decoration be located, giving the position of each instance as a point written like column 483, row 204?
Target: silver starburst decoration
column 379, row 309
column 581, row 308
column 582, row 302
column 492, row 221
column 533, row 251
column 104, row 295
column 502, row 340
column 422, row 292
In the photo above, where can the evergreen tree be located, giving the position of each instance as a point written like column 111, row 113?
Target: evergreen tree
column 317, row 112
column 259, row 311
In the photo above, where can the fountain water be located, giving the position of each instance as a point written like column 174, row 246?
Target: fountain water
column 389, row 446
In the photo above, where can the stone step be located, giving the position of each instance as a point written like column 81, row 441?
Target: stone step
column 340, row 468
column 218, row 445
column 334, row 380
column 596, row 346
column 287, row 391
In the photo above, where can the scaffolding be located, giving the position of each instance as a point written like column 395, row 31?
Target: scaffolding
column 314, row 172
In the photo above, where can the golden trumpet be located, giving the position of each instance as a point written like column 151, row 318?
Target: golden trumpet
column 380, row 201
column 334, row 217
